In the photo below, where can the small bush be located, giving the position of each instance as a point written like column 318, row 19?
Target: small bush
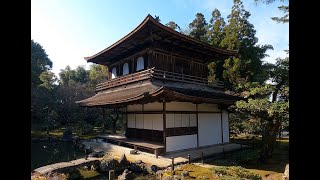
column 234, row 172
column 83, row 128
column 245, row 156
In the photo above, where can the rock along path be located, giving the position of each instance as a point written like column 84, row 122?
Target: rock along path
column 63, row 166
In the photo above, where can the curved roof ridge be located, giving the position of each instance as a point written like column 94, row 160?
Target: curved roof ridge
column 158, row 24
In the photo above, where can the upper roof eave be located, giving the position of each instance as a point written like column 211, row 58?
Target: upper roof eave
column 149, row 18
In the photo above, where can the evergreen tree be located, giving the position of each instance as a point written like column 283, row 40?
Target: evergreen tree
column 270, row 115
column 240, row 35
column 40, row 62
column 215, row 35
column 198, row 28
column 174, row 26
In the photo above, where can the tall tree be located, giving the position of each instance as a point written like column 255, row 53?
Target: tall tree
column 41, row 83
column 269, row 114
column 198, row 28
column 240, row 35
column 48, row 79
column 174, row 26
column 98, row 74
column 81, row 74
column 40, row 62
column 215, row 35
column 283, row 8
column 215, row 28
column 66, row 75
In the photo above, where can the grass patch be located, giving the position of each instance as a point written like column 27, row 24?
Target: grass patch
column 58, row 133
column 274, row 166
column 85, row 174
column 195, row 172
column 234, row 173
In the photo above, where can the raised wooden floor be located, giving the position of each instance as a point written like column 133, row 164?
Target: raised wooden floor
column 156, row 147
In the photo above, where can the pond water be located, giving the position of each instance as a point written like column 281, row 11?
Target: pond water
column 45, row 152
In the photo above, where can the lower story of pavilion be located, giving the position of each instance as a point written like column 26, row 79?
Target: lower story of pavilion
column 176, row 120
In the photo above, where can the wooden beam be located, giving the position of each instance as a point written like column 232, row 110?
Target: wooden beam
column 221, row 127
column 164, row 123
column 170, row 112
column 197, row 116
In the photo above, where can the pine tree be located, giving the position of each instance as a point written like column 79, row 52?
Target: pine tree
column 215, row 35
column 198, row 28
column 240, row 35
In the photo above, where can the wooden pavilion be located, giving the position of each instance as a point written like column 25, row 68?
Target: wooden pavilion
column 159, row 77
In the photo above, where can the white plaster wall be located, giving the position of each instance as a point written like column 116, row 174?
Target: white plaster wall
column 157, row 122
column 208, row 107
column 177, row 120
column 135, row 107
column 180, row 106
column 193, row 120
column 209, row 128
column 139, row 121
column 175, row 143
column 184, row 120
column 169, row 120
column 153, row 106
column 225, row 125
column 131, row 121
column 147, row 123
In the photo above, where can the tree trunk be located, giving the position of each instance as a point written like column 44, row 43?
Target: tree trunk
column 114, row 122
column 269, row 138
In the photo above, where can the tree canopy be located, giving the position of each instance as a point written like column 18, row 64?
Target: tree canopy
column 40, row 62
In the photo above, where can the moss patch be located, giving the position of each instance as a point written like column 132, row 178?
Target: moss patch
column 195, row 172
column 88, row 174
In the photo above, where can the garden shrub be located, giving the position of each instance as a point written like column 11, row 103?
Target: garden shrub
column 83, row 128
column 245, row 156
column 234, row 173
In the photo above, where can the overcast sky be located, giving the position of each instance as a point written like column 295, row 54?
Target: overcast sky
column 72, row 29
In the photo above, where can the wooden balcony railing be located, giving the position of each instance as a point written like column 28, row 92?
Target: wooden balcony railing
column 156, row 74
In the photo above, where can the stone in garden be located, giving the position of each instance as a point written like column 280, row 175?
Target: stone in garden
column 286, row 173
column 124, row 163
column 126, row 175
column 138, row 162
column 184, row 173
column 107, row 165
column 135, row 168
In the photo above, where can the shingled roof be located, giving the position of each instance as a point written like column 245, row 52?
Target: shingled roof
column 149, row 31
column 149, row 92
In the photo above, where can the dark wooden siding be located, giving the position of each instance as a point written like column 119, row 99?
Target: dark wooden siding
column 145, row 134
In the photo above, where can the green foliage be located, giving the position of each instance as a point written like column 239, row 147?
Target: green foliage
column 48, row 80
column 157, row 18
column 40, row 62
column 283, row 8
column 285, row 18
column 245, row 156
column 174, row 26
column 267, row 105
column 234, row 173
column 97, row 74
column 83, row 128
column 198, row 28
column 215, row 28
column 239, row 34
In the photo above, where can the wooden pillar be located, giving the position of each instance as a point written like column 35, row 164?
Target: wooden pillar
column 228, row 127
column 164, row 123
column 133, row 69
column 103, row 117
column 197, row 114
column 221, row 126
column 126, row 123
